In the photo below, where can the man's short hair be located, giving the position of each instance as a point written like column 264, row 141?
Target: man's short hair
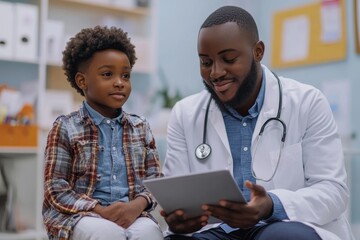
column 233, row 14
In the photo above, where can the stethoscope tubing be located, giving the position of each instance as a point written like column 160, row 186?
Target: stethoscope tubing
column 205, row 120
column 277, row 118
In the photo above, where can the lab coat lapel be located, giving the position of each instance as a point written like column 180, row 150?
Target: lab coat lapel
column 262, row 164
column 217, row 121
column 271, row 101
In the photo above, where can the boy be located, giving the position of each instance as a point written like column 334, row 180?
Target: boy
column 96, row 157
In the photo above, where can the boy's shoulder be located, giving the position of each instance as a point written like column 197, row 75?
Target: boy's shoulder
column 74, row 116
column 134, row 119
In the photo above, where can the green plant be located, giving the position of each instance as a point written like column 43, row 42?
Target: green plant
column 169, row 101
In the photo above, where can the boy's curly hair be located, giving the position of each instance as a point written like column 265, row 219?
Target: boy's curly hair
column 84, row 44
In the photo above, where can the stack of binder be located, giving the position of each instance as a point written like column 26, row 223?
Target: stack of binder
column 19, row 31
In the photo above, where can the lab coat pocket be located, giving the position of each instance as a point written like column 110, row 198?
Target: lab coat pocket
column 290, row 171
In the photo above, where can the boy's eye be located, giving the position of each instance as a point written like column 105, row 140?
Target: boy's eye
column 107, row 74
column 126, row 75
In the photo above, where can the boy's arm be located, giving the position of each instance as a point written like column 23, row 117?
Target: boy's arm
column 152, row 167
column 58, row 168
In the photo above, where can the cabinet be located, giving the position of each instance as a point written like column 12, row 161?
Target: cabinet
column 24, row 166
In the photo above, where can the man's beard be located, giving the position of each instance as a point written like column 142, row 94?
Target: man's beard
column 243, row 93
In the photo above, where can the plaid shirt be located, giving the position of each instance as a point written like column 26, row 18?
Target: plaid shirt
column 71, row 157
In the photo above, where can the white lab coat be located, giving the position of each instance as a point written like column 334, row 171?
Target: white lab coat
column 311, row 178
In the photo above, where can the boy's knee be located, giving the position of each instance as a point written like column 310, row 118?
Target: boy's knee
column 144, row 228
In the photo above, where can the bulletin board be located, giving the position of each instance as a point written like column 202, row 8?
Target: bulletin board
column 310, row 44
column 357, row 24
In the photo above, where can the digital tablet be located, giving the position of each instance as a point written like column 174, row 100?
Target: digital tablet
column 190, row 192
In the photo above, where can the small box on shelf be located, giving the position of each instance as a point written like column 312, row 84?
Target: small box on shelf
column 18, row 136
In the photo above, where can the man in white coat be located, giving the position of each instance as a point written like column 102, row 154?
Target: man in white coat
column 293, row 176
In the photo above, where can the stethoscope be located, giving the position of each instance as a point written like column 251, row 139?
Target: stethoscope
column 203, row 151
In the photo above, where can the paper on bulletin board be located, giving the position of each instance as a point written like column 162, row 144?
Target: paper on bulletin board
column 331, row 21
column 296, row 32
column 338, row 94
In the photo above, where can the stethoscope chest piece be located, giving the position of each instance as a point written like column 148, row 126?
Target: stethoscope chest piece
column 202, row 151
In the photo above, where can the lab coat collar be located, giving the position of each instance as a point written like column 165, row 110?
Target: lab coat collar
column 271, row 100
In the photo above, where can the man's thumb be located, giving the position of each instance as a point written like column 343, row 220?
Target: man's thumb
column 255, row 188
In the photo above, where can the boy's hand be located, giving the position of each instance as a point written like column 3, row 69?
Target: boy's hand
column 123, row 214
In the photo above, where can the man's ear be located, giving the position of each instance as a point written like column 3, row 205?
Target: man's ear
column 80, row 81
column 259, row 50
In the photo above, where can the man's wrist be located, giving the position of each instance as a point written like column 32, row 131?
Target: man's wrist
column 270, row 208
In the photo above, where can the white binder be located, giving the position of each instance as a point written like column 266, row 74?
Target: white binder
column 26, row 32
column 55, row 41
column 6, row 30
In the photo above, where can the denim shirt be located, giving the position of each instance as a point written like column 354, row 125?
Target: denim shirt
column 112, row 183
column 239, row 130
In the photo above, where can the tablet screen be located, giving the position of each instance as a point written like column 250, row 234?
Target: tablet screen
column 190, row 192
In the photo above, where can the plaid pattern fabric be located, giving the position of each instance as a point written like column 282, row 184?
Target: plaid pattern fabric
column 70, row 168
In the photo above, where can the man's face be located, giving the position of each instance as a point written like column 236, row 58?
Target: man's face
column 228, row 66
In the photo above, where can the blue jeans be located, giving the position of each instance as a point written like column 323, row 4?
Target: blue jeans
column 271, row 231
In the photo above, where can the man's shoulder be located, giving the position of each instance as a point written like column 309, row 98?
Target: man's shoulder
column 293, row 85
column 289, row 83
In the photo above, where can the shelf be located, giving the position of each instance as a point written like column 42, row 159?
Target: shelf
column 26, row 235
column 17, row 150
column 19, row 60
column 140, row 11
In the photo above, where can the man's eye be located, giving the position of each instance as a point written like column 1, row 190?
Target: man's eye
column 205, row 63
column 229, row 60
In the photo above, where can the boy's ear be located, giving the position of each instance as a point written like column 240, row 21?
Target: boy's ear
column 80, row 80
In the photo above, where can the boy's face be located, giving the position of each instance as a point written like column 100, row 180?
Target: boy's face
column 105, row 81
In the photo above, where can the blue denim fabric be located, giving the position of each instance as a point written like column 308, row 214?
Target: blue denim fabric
column 239, row 131
column 112, row 181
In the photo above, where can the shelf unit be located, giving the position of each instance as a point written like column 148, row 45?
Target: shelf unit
column 141, row 11
column 24, row 166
